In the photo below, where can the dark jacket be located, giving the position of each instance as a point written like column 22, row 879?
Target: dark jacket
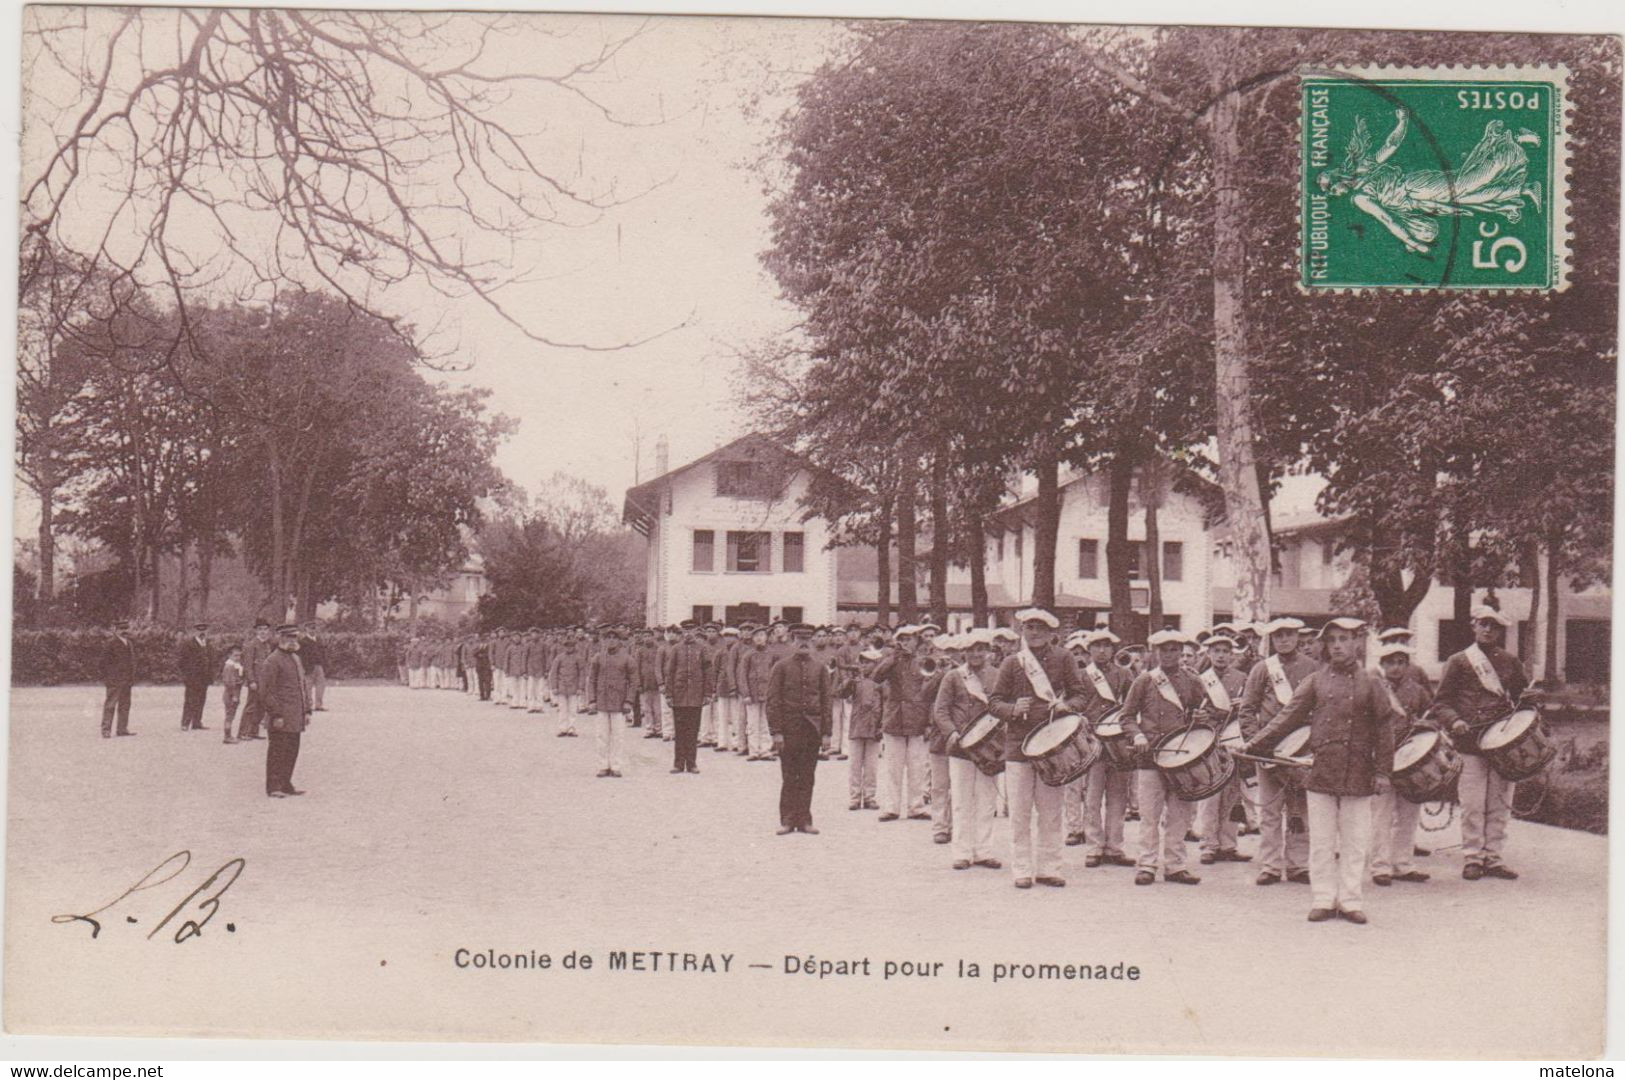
column 569, row 672
column 312, row 652
column 648, row 660
column 1462, row 697
column 868, row 709
column 118, row 662
column 196, row 661
column 956, row 709
column 1258, row 701
column 1146, row 712
column 284, row 693
column 688, row 674
column 613, row 681
column 798, row 696
column 936, row 739
column 1117, row 678
column 907, row 712
column 1351, row 729
column 255, row 653
column 1012, row 685
column 755, row 665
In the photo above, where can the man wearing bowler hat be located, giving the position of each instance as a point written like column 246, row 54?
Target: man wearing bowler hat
column 798, row 704
column 196, row 662
column 285, row 698
column 118, row 676
column 256, row 650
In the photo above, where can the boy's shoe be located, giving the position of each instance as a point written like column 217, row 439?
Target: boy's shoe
column 991, row 864
column 961, row 864
column 1024, row 882
column 1145, row 877
column 888, row 817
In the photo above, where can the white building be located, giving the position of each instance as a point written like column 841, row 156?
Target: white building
column 727, row 540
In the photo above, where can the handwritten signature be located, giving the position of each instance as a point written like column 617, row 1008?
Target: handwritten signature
column 202, row 901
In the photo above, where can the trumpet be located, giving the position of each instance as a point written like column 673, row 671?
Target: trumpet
column 927, row 666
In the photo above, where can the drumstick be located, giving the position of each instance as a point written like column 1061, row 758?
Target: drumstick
column 1270, row 759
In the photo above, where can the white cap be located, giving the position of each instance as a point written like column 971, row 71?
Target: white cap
column 1484, row 611
column 1343, row 622
column 1004, row 633
column 1395, row 633
column 1285, row 623
column 947, row 642
column 1034, row 614
column 1100, row 633
column 1168, row 637
column 981, row 635
column 906, row 630
column 1394, row 648
column 871, row 654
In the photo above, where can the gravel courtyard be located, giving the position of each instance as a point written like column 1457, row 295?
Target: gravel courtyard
column 434, row 823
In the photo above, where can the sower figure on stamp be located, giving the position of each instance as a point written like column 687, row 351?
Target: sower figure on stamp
column 118, row 678
column 1480, row 685
column 1039, row 681
column 1225, row 687
column 961, row 701
column 687, row 679
column 196, row 663
column 1351, row 735
column 1161, row 701
column 1394, row 817
column 1283, row 846
column 1105, row 795
column 798, row 704
column 285, row 697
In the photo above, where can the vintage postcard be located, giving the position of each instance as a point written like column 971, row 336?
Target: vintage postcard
column 801, row 533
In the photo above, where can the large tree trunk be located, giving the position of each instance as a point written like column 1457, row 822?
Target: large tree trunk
column 1552, row 675
column 1238, row 470
column 1153, row 568
column 205, row 572
column 976, row 553
column 155, row 586
column 273, row 462
column 940, row 536
column 908, row 604
column 1395, row 600
column 1120, row 477
column 883, row 564
column 183, row 595
column 1529, row 556
column 47, row 545
column 1045, row 530
column 1461, row 575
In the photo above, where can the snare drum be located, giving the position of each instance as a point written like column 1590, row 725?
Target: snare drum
column 1194, row 762
column 1517, row 747
column 980, row 746
column 1115, row 744
column 1061, row 750
column 1294, row 748
column 1426, row 767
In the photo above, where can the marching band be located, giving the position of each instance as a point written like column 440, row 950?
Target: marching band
column 1329, row 744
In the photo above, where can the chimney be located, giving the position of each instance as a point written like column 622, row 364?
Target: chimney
column 662, row 456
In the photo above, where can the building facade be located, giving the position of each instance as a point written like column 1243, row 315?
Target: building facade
column 727, row 539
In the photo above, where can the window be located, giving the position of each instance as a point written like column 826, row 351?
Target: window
column 998, row 551
column 1135, row 565
column 1328, row 549
column 746, row 480
column 1018, row 545
column 702, row 613
column 750, row 552
column 794, row 552
column 1173, row 562
column 791, row 615
column 704, row 550
column 1088, row 558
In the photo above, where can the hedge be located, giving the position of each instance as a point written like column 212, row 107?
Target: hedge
column 52, row 657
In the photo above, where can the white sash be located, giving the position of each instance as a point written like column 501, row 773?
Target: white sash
column 1216, row 692
column 1035, row 674
column 1278, row 679
column 973, row 686
column 1393, row 698
column 1102, row 686
column 1165, row 687
column 1484, row 670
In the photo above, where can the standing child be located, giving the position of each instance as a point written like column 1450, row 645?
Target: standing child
column 863, row 732
column 231, row 677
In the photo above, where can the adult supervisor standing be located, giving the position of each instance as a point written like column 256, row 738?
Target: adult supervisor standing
column 118, row 676
column 798, row 704
column 196, row 662
column 285, row 696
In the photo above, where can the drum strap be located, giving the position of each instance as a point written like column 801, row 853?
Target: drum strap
column 1278, row 679
column 1216, row 692
column 1098, row 678
column 1165, row 687
column 1036, row 675
column 973, row 686
column 1484, row 670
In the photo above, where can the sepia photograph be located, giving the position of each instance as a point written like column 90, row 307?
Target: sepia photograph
column 865, row 534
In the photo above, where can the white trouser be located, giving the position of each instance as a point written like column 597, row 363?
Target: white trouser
column 567, row 711
column 758, row 740
column 1339, row 832
column 904, row 753
column 1108, row 788
column 611, row 740
column 1486, row 808
column 1029, row 795
column 974, row 795
column 841, row 716
column 650, row 703
column 942, row 803
column 1164, row 820
column 863, row 772
column 1280, row 850
column 730, row 731
column 1213, row 818
column 1393, row 833
column 708, row 721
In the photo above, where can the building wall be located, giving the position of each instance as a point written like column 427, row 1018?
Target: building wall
column 692, row 503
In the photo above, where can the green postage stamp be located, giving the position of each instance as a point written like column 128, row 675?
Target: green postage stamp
column 1434, row 178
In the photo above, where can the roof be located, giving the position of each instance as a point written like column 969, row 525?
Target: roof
column 642, row 503
column 863, row 594
column 1183, row 480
